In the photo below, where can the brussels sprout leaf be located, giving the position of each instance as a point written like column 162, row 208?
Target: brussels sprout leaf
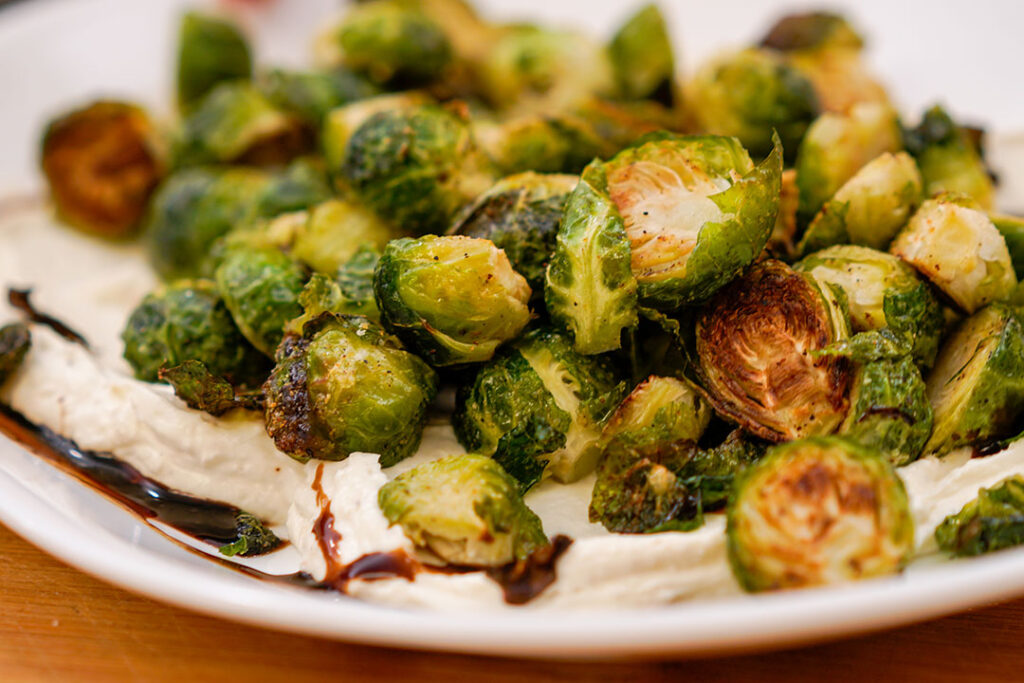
column 992, row 521
column 253, row 538
column 201, row 390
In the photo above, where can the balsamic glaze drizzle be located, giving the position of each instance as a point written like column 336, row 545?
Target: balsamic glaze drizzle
column 19, row 299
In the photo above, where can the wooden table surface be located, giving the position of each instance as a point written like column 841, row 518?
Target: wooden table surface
column 59, row 624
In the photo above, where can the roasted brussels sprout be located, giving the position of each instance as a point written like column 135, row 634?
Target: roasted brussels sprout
column 520, row 215
column 948, row 158
column 538, row 143
column 465, row 509
column 538, row 408
column 416, row 166
column 977, row 386
column 393, row 43
column 665, row 486
column 696, row 211
column 15, row 340
column 452, row 300
column 1012, row 230
column 992, row 521
column 870, row 208
column 334, row 231
column 355, row 281
column 827, row 49
column 589, row 288
column 882, row 293
column 298, row 186
column 815, row 512
column 261, row 287
column 311, row 95
column 341, row 122
column 345, row 386
column 102, row 163
column 659, row 410
column 235, row 123
column 836, row 146
column 750, row 94
column 641, row 56
column 187, row 320
column 952, row 242
column 535, row 70
column 889, row 409
column 756, row 343
column 210, row 51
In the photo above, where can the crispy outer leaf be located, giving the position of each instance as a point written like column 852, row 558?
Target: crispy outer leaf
column 992, row 521
column 200, row 389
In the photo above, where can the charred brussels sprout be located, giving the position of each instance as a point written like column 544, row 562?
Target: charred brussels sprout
column 535, row 70
column 1012, row 230
column 658, row 411
column 452, row 300
column 889, row 409
column 756, row 344
column 341, row 122
column 416, row 166
column 345, row 386
column 666, row 486
column 334, row 231
column 465, row 509
column 836, row 146
column 817, row 512
column 949, row 159
column 882, row 293
column 538, row 408
column 870, row 208
column 102, row 163
column 261, row 287
column 749, row 94
column 520, row 215
column 992, row 521
column 954, row 244
column 235, row 123
column 311, row 95
column 184, row 321
column 15, row 340
column 393, row 43
column 696, row 211
column 977, row 386
column 641, row 56
column 210, row 51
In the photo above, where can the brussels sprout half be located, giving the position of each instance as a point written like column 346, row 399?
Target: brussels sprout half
column 535, row 70
column 538, row 408
column 870, row 208
column 696, row 211
column 520, row 215
column 334, row 231
column 102, row 163
column 641, row 57
column 345, row 386
column 836, row 146
column 750, row 94
column 235, row 123
column 416, row 166
column 187, row 320
column 392, row 43
column 977, row 386
column 659, row 410
column 889, row 409
column 261, row 288
column 948, row 159
column 452, row 300
column 954, row 244
column 465, row 509
column 992, row 521
column 882, row 293
column 211, row 50
column 755, row 345
column 816, row 512
column 15, row 340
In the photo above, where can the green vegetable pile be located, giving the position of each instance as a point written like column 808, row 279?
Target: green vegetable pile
column 756, row 289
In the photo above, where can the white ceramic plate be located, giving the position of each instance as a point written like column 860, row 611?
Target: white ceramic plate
column 54, row 53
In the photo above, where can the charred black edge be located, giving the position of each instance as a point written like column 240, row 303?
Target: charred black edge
column 20, row 299
column 289, row 409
